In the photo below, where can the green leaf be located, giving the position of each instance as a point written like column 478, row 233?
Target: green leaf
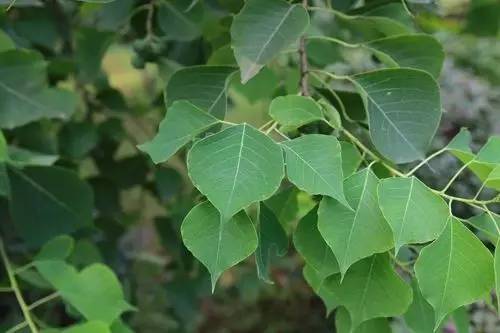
column 371, row 289
column 183, row 123
column 313, row 248
column 63, row 202
column 488, row 225
column 317, row 282
column 82, row 289
column 414, row 213
column 343, row 324
column 203, row 86
column 179, row 21
column 419, row 51
column 293, row 110
column 460, row 145
column 351, row 158
column 4, row 155
column 451, row 262
column 461, row 318
column 420, row 314
column 497, row 269
column 58, row 248
column 77, row 139
column 235, row 168
column 24, row 93
column 493, row 180
column 262, row 29
column 354, row 235
column 4, row 181
column 91, row 326
column 273, row 242
column 219, row 244
column 5, row 42
column 404, row 110
column 314, row 165
column 91, row 45
column 23, row 157
column 285, row 205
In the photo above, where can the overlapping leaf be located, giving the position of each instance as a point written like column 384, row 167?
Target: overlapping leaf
column 420, row 314
column 446, row 268
column 236, row 167
column 293, row 110
column 181, row 124
column 318, row 284
column 358, row 233
column 404, row 111
column 262, row 29
column 218, row 243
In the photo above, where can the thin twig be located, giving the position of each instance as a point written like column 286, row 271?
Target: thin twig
column 303, row 64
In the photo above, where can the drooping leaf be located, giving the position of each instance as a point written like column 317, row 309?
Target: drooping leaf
column 313, row 248
column 404, row 111
column 294, row 110
column 203, row 86
column 371, row 289
column 181, row 124
column 218, row 243
column 451, row 262
column 63, row 202
column 317, row 282
column 235, row 168
column 420, row 314
column 343, row 324
column 418, row 51
column 351, row 158
column 314, row 165
column 24, row 93
column 262, row 29
column 179, row 21
column 82, row 289
column 273, row 242
column 414, row 213
column 359, row 233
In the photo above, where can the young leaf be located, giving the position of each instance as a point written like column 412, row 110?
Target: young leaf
column 354, row 235
column 451, row 262
column 404, row 110
column 203, row 86
column 313, row 248
column 294, row 110
column 419, row 51
column 343, row 324
column 63, row 202
column 371, row 289
column 235, row 168
column 316, row 281
column 82, row 289
column 181, row 124
column 24, row 93
column 314, row 165
column 262, row 29
column 420, row 314
column 273, row 242
column 414, row 213
column 351, row 158
column 218, row 243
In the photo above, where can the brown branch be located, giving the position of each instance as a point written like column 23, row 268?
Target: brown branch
column 303, row 65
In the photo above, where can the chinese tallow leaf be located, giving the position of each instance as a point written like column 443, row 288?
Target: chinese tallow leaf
column 4, row 155
column 203, row 86
column 24, row 94
column 4, row 181
column 488, row 225
column 493, row 180
column 218, row 243
column 179, row 21
column 91, row 326
column 418, row 51
column 314, row 165
column 343, row 324
column 404, row 110
column 459, row 145
column 497, row 269
column 456, row 259
column 82, row 289
column 58, row 248
column 21, row 157
column 317, row 282
column 273, row 242
column 371, row 289
column 63, row 202
column 359, row 233
column 294, row 110
column 351, row 158
column 312, row 247
column 181, row 124
column 420, row 314
column 236, row 167
column 5, row 42
column 262, row 29
column 414, row 213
